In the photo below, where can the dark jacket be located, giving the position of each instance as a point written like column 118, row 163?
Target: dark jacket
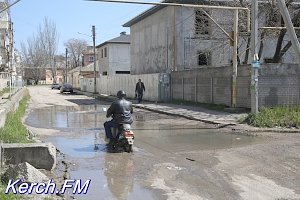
column 140, row 88
column 120, row 110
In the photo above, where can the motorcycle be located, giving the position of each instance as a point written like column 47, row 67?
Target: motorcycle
column 123, row 138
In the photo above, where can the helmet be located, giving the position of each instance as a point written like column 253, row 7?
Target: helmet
column 121, row 94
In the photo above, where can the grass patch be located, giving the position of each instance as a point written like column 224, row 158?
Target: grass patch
column 9, row 196
column 14, row 131
column 275, row 117
column 3, row 91
column 204, row 105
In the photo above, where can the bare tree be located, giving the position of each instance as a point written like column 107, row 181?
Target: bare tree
column 39, row 51
column 270, row 16
column 280, row 51
column 49, row 39
column 33, row 59
column 75, row 47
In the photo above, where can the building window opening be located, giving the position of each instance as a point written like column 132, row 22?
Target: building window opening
column 204, row 58
column 122, row 72
column 105, row 52
column 201, row 23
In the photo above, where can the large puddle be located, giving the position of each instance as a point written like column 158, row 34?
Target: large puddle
column 112, row 175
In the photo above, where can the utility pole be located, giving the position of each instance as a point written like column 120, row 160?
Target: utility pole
column 66, row 79
column 234, row 59
column 54, row 71
column 254, row 53
column 94, row 51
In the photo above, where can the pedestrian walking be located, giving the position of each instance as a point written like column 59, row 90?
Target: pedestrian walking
column 139, row 90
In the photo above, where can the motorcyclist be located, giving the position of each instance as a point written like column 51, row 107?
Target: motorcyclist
column 121, row 113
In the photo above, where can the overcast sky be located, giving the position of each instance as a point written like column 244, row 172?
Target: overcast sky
column 71, row 17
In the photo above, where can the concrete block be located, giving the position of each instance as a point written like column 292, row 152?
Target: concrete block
column 24, row 171
column 5, row 96
column 39, row 155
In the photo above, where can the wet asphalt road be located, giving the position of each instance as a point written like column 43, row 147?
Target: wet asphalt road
column 173, row 158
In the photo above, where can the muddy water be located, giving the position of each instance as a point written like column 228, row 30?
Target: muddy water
column 114, row 175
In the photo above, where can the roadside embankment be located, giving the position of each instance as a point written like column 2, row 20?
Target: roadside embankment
column 18, row 147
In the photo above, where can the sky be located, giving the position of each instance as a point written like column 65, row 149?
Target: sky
column 72, row 17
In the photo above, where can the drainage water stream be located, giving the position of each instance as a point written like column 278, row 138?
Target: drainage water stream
column 113, row 176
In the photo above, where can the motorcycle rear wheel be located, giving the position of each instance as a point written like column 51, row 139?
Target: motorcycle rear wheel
column 128, row 148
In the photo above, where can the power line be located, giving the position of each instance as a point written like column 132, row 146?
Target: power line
column 9, row 6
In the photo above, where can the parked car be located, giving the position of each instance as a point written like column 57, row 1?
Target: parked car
column 66, row 87
column 55, row 86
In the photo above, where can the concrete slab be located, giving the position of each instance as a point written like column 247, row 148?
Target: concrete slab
column 39, row 155
column 24, row 171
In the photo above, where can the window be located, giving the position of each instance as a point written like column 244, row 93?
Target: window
column 204, row 58
column 201, row 23
column 104, row 73
column 101, row 53
column 105, row 52
column 91, row 58
column 122, row 72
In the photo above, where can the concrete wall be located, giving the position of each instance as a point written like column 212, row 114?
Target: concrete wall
column 157, row 85
column 39, row 155
column 279, row 84
column 205, row 85
column 166, row 41
column 11, row 105
column 189, row 44
column 152, row 43
column 119, row 58
column 74, row 79
column 103, row 61
column 87, row 84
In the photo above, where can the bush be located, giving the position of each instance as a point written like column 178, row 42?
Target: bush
column 276, row 117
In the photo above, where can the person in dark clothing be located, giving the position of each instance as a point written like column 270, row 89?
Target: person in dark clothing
column 121, row 113
column 139, row 90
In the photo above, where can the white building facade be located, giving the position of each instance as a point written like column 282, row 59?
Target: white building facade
column 113, row 56
column 6, row 38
